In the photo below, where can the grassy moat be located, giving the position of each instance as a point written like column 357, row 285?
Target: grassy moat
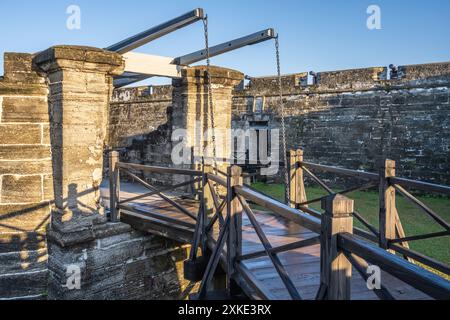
column 414, row 220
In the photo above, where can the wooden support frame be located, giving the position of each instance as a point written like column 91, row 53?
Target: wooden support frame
column 335, row 268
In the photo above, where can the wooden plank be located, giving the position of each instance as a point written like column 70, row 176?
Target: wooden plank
column 267, row 246
column 254, row 282
column 430, row 283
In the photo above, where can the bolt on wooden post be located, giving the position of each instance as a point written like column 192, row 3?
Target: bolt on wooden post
column 335, row 269
column 114, row 186
column 234, row 212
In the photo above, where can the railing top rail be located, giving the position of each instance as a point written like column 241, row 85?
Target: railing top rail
column 415, row 184
column 419, row 278
column 419, row 185
column 156, row 169
column 273, row 205
column 303, row 219
column 347, row 172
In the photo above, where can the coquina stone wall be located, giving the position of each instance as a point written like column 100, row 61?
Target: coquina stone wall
column 348, row 118
column 26, row 187
column 53, row 125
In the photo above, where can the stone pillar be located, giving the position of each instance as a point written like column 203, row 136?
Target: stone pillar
column 191, row 112
column 80, row 85
column 191, row 108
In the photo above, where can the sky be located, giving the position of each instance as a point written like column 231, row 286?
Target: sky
column 314, row 35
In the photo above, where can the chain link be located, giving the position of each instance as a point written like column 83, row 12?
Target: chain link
column 283, row 123
column 211, row 101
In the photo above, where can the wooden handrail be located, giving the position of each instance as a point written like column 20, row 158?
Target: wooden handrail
column 420, row 185
column 347, row 172
column 155, row 169
column 305, row 220
column 419, row 278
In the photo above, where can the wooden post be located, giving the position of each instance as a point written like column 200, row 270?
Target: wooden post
column 390, row 224
column 292, row 170
column 388, row 211
column 297, row 185
column 336, row 270
column 234, row 212
column 114, row 186
column 301, row 192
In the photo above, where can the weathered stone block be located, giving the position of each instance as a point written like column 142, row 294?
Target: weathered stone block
column 21, row 189
column 23, row 261
column 17, row 152
column 20, row 134
column 29, row 109
column 26, row 167
column 24, row 285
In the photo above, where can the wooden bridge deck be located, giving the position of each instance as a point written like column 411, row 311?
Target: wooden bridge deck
column 303, row 265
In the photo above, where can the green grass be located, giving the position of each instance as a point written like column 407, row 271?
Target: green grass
column 414, row 220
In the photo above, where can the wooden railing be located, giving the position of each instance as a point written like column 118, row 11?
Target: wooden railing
column 337, row 258
column 117, row 168
column 390, row 234
column 342, row 247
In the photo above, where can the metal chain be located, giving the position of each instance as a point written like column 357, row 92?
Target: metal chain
column 283, row 123
column 210, row 100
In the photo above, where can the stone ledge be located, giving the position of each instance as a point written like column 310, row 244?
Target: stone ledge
column 96, row 232
column 95, row 56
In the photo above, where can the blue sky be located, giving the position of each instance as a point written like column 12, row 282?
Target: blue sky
column 314, row 35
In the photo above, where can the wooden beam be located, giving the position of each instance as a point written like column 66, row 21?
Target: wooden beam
column 151, row 65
